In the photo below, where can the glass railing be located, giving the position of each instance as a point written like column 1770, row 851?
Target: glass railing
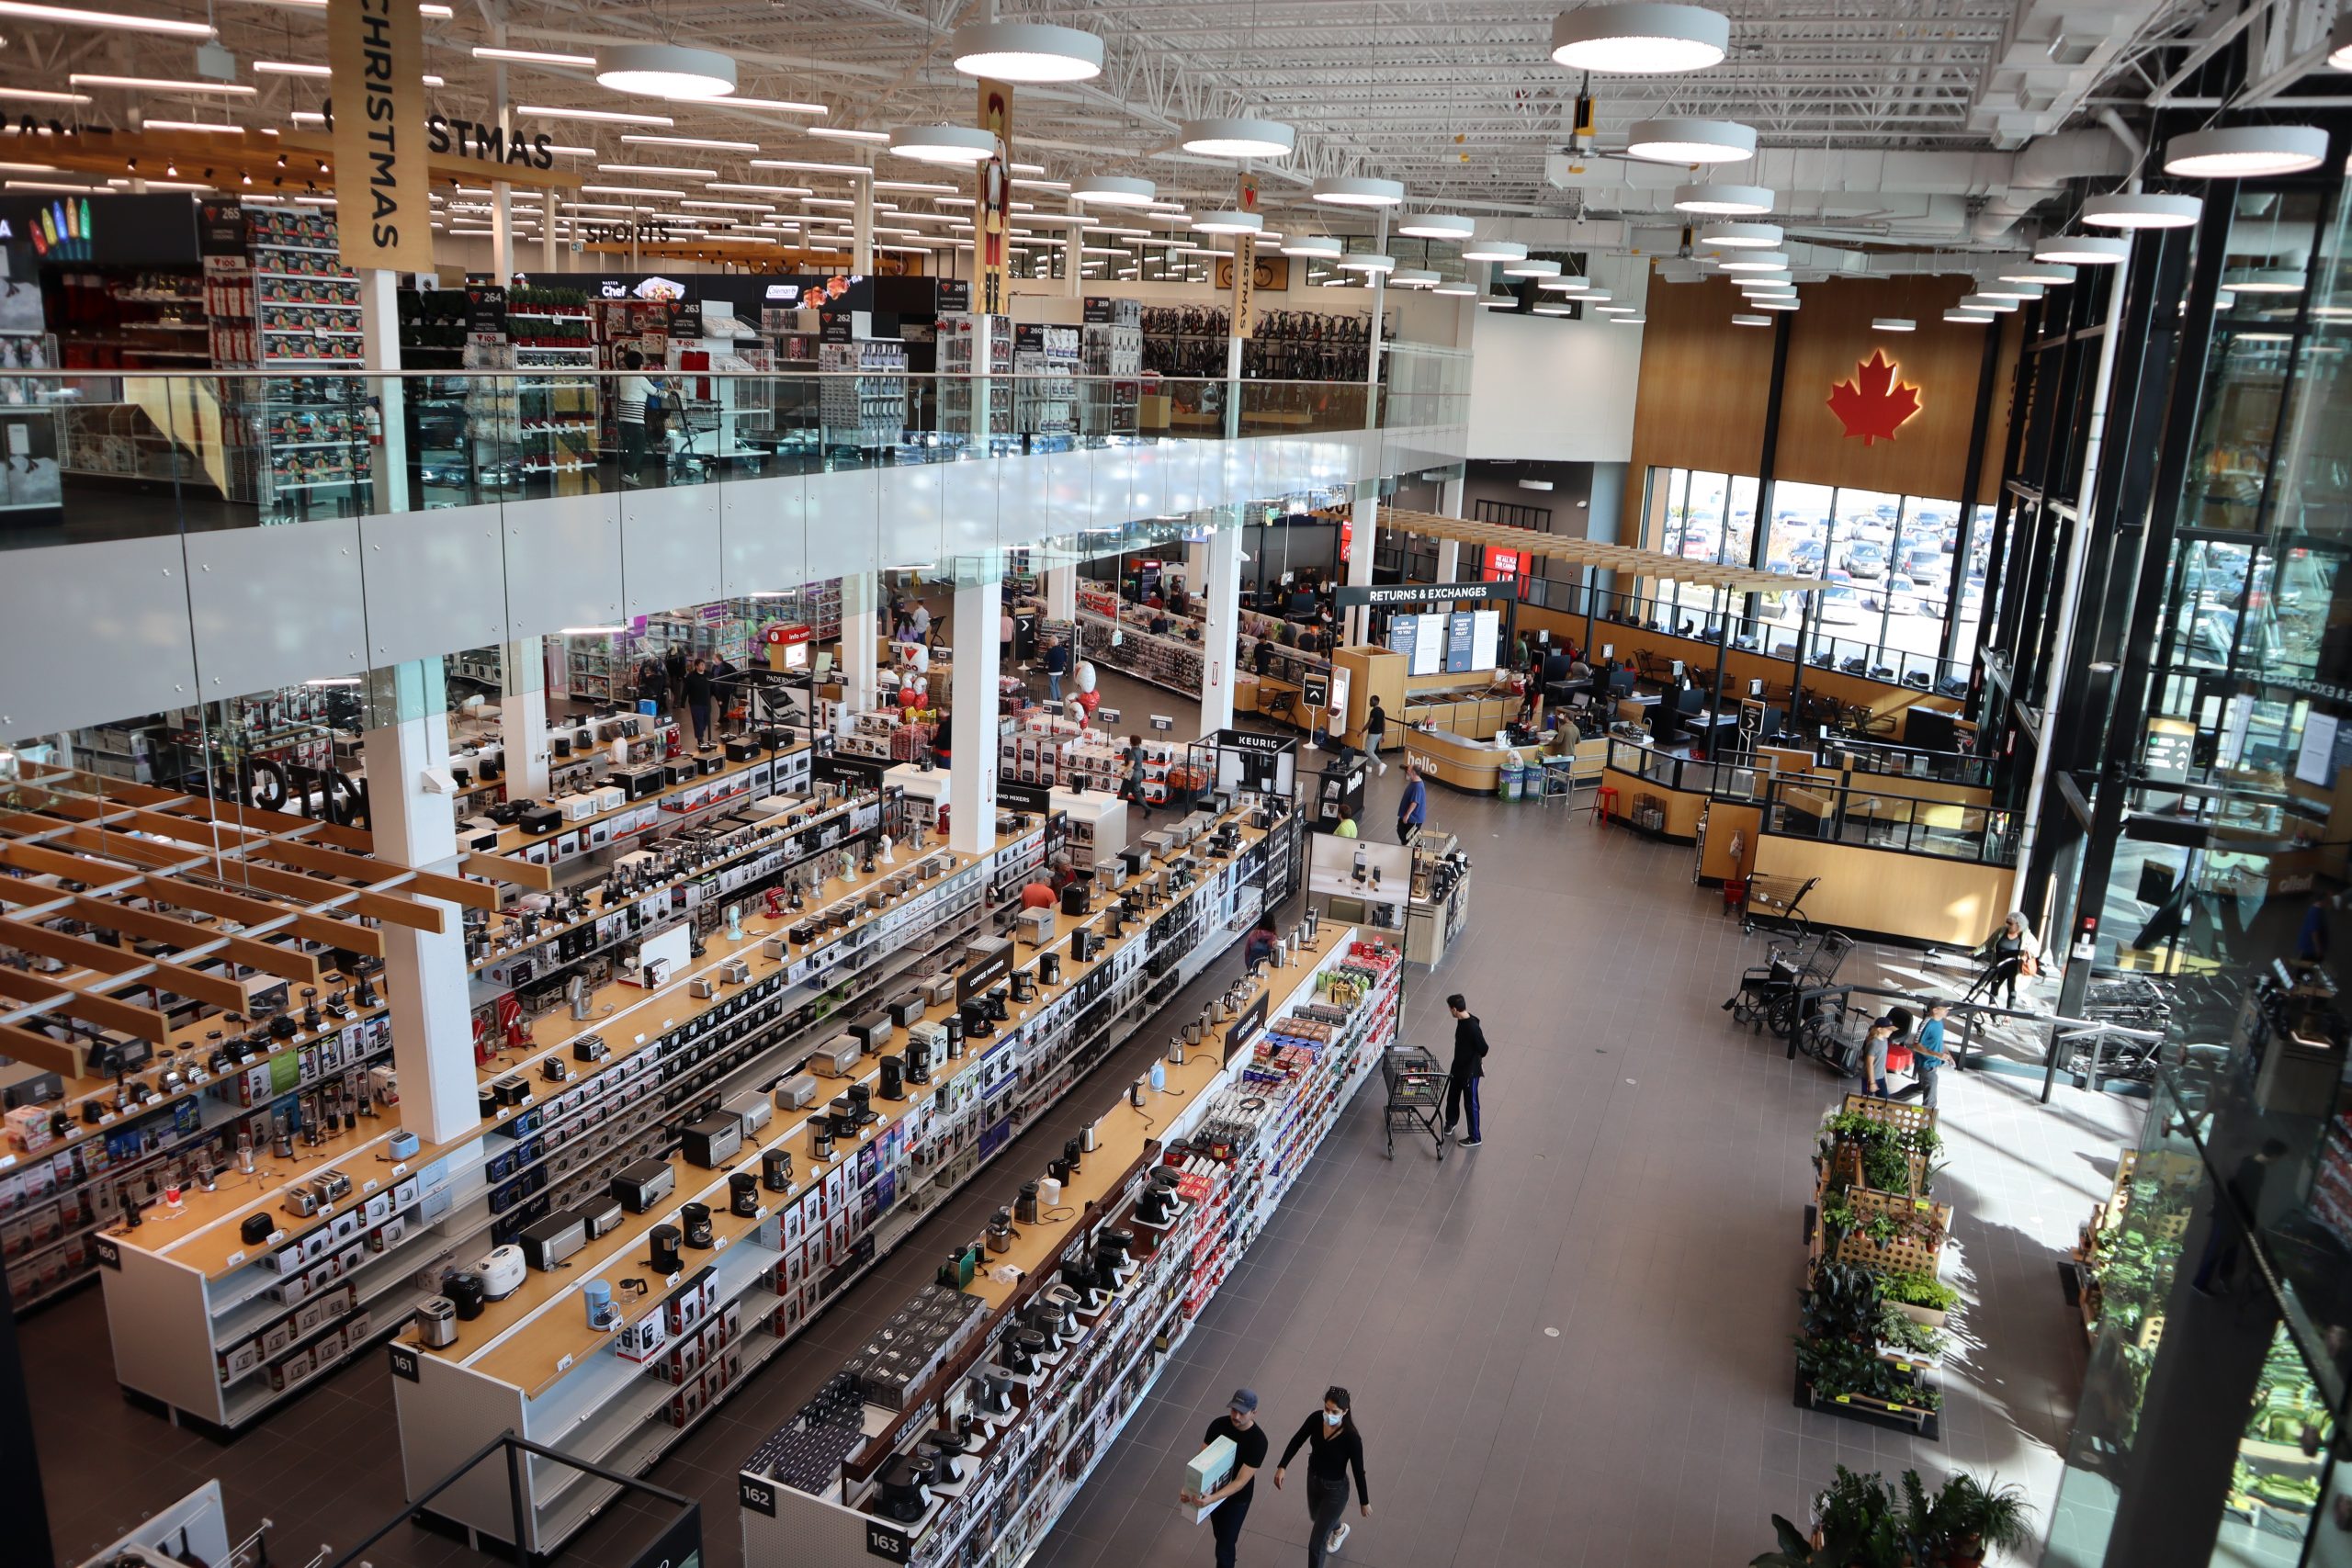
column 101, row 456
column 1774, row 633
column 1723, row 781
column 1858, row 814
column 1868, row 756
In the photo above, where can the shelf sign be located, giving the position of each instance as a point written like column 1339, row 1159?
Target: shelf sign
column 108, row 1251
column 887, row 1542
column 376, row 50
column 403, row 1358
column 756, row 1494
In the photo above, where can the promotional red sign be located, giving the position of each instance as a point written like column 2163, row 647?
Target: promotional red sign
column 1876, row 402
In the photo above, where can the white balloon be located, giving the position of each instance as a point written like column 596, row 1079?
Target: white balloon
column 1085, row 677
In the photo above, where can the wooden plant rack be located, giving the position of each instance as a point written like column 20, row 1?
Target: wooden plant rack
column 1905, row 1253
column 1917, row 1420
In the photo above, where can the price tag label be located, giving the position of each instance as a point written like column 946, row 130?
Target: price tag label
column 6, row 1160
column 237, row 1258
column 275, row 1236
column 719, row 1246
column 367, row 1186
column 564, row 1365
column 672, row 1283
column 1845, row 1399
column 106, row 1118
column 401, row 1168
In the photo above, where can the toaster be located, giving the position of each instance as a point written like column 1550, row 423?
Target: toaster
column 641, row 1184
column 712, row 1142
column 1034, row 927
column 539, row 819
column 907, row 1010
column 795, row 1091
column 751, row 1108
column 437, row 1323
column 599, row 1216
column 874, row 1030
column 837, row 1057
column 555, row 1238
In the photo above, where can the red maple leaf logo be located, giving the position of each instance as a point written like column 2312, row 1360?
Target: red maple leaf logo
column 1874, row 405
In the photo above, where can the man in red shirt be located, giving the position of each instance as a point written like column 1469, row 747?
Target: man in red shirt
column 1038, row 895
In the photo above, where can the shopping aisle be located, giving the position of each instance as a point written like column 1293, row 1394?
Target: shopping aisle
column 1572, row 1346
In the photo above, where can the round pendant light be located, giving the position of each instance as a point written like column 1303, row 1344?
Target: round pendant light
column 1531, row 266
column 665, row 70
column 1228, row 223
column 1412, row 278
column 2339, row 44
column 1745, row 320
column 1494, row 251
column 1894, row 324
column 1756, row 261
column 1983, row 302
column 1436, row 226
column 1027, row 52
column 2007, row 291
column 2263, row 280
column 2135, row 210
column 1237, row 137
column 1553, row 309
column 1112, row 190
column 1681, row 141
column 1368, row 261
column 1314, row 247
column 1465, row 289
column 1640, row 38
column 1723, row 200
column 1500, row 302
column 1353, row 190
column 963, row 144
column 2245, row 151
column 1629, row 321
column 2082, row 250
column 1739, row 236
column 1577, row 285
column 1970, row 318
column 2038, row 272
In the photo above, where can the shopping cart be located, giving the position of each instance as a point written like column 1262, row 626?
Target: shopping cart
column 1416, row 1095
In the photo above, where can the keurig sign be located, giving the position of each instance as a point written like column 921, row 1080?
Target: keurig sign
column 375, row 48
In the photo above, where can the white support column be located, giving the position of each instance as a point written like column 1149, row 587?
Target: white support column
column 380, row 344
column 1367, row 509
column 501, row 193
column 1221, row 585
column 1449, row 560
column 971, row 770
column 425, row 973
column 522, row 717
column 1061, row 593
column 547, row 232
column 861, row 239
column 1196, row 566
column 861, row 630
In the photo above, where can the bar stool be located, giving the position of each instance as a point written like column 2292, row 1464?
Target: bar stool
column 1604, row 804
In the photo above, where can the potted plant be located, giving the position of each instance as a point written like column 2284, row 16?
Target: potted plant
column 1971, row 1517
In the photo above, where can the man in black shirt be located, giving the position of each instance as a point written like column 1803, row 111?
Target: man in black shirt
column 1238, row 1426
column 1469, row 1067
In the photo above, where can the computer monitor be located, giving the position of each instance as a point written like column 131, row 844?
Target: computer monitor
column 1621, row 682
column 824, row 665
column 1608, row 652
column 1544, row 636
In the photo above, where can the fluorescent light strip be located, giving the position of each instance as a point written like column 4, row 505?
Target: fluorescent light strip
column 756, row 190
column 656, row 169
column 634, row 140
column 852, row 169
column 752, row 207
column 916, row 185
column 1041, row 185
column 730, row 101
column 629, row 190
column 73, row 15
column 606, row 116
column 159, row 85
column 190, row 125
column 291, row 68
column 835, row 134
column 59, row 186
column 522, row 56
column 42, row 96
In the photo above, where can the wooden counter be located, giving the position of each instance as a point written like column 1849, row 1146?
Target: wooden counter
column 1918, row 898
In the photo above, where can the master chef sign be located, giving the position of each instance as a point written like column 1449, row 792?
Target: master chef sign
column 376, row 50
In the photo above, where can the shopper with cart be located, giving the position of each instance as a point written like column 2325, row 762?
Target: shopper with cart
column 1238, row 1426
column 640, row 398
column 1469, row 1068
column 1336, row 1447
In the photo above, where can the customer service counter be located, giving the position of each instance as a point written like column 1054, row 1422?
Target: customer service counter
column 1465, row 763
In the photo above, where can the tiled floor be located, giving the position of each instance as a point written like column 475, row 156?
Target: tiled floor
column 1569, row 1347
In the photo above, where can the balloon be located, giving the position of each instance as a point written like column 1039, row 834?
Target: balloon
column 1085, row 676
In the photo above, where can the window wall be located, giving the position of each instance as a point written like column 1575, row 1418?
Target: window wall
column 1889, row 561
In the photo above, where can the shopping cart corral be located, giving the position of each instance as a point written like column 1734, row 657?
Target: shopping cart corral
column 1416, row 1083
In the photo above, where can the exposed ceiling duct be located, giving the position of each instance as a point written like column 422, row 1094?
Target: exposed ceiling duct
column 2048, row 61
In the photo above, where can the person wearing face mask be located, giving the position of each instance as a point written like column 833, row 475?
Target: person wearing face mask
column 1335, row 1449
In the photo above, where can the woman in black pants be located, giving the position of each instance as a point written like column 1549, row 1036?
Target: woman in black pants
column 1335, row 1449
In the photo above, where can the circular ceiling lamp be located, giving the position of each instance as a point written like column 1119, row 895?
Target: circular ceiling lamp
column 2006, row 290
column 1314, row 247
column 2082, row 250
column 1368, row 261
column 2136, row 209
column 1437, row 226
column 1412, row 278
column 1640, row 38
column 1494, row 251
column 1681, row 141
column 1237, row 137
column 665, row 70
column 1228, row 223
column 943, row 143
column 1744, row 321
column 1112, row 190
column 1500, row 302
column 1723, row 200
column 2339, row 44
column 1985, row 302
column 1739, row 236
column 1354, row 190
column 1969, row 318
column 1027, row 52
column 2245, row 151
column 1533, row 267
column 1577, row 285
column 1465, row 289
column 1756, row 261
column 2038, row 272
column 2263, row 280
column 1894, row 324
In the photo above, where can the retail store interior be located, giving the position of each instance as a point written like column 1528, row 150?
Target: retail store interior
column 1028, row 785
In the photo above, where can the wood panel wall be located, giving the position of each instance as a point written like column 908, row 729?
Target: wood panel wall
column 1706, row 384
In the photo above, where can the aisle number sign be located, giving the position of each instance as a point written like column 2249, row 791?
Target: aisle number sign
column 376, row 53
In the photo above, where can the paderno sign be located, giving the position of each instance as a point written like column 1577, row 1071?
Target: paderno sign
column 375, row 48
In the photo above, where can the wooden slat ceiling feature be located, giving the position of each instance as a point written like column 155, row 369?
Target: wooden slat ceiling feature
column 1592, row 552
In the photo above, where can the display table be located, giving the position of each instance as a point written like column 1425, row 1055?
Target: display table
column 830, row 1489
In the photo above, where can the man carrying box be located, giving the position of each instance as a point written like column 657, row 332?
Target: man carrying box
column 1233, row 1439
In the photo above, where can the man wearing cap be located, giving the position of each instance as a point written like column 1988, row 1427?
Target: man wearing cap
column 1238, row 1426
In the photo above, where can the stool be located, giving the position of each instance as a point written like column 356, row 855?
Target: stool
column 1604, row 803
